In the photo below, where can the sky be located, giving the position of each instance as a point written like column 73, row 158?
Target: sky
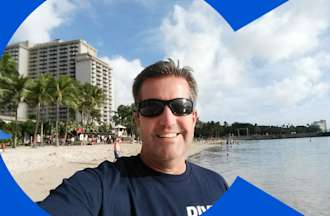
column 273, row 71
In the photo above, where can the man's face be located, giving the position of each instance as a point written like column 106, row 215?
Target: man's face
column 165, row 137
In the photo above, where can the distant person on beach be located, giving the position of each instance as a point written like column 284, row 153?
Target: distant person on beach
column 3, row 146
column 158, row 181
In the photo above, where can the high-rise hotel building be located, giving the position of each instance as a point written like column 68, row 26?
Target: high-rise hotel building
column 75, row 58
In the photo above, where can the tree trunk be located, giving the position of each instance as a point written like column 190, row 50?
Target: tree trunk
column 88, row 119
column 57, row 121
column 66, row 124
column 51, row 131
column 50, row 123
column 82, row 118
column 42, row 132
column 36, row 128
column 42, row 111
column 15, row 129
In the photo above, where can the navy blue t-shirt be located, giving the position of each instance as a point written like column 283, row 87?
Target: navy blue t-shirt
column 129, row 187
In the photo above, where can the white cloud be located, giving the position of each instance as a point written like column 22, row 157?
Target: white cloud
column 287, row 32
column 238, row 72
column 123, row 74
column 304, row 83
column 39, row 25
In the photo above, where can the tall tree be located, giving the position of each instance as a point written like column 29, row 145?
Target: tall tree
column 72, row 104
column 124, row 116
column 39, row 96
column 91, row 99
column 63, row 92
column 13, row 89
column 7, row 65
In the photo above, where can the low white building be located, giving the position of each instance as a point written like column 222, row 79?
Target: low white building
column 120, row 131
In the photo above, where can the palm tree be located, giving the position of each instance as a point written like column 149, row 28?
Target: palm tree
column 90, row 101
column 13, row 88
column 63, row 93
column 38, row 97
column 7, row 65
column 72, row 104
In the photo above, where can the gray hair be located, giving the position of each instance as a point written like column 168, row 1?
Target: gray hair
column 165, row 69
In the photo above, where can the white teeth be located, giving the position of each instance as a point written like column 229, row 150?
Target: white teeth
column 169, row 135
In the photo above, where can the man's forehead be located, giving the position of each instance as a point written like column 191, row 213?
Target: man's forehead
column 168, row 87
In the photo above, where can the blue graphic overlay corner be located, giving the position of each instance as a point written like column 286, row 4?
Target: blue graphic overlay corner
column 13, row 200
column 239, row 13
column 12, row 14
column 243, row 198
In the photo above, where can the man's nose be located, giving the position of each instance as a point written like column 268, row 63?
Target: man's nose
column 167, row 117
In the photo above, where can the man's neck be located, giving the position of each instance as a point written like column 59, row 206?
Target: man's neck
column 175, row 167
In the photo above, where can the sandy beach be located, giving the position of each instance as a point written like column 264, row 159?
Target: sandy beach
column 38, row 170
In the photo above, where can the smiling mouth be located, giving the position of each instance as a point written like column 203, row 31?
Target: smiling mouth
column 168, row 135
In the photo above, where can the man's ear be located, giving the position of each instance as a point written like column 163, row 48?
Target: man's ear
column 195, row 117
column 136, row 118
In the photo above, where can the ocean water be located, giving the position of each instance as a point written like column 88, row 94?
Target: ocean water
column 295, row 171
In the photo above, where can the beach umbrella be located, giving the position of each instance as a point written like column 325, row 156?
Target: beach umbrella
column 4, row 135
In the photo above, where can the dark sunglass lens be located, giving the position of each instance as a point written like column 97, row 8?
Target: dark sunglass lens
column 151, row 108
column 181, row 106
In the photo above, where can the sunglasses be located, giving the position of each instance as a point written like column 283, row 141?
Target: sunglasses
column 155, row 107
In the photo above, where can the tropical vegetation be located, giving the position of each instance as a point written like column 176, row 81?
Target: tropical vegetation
column 13, row 89
column 124, row 116
column 42, row 93
column 213, row 129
